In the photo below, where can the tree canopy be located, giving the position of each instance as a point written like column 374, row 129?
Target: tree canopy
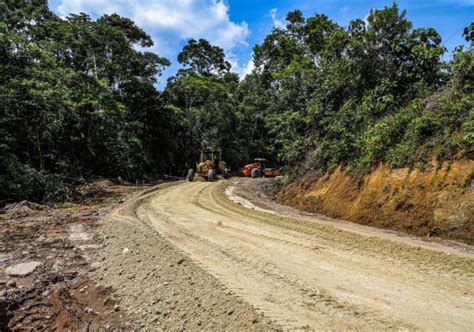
column 78, row 99
column 204, row 58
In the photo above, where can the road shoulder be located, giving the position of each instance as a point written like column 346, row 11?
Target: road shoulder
column 251, row 193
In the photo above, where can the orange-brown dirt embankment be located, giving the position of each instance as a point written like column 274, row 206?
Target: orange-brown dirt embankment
column 435, row 202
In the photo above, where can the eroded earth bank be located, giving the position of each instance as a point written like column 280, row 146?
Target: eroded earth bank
column 437, row 201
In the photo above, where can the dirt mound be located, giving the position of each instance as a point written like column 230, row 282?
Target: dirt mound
column 435, row 202
column 91, row 191
column 23, row 208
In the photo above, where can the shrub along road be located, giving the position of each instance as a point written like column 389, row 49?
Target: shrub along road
column 298, row 271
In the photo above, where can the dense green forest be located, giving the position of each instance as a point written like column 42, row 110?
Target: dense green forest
column 78, row 99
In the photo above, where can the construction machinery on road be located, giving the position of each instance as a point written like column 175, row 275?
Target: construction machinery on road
column 209, row 167
column 259, row 168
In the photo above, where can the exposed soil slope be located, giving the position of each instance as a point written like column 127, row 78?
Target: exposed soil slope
column 435, row 202
column 303, row 273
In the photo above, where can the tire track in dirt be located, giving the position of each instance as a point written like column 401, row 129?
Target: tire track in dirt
column 308, row 274
column 158, row 286
column 279, row 302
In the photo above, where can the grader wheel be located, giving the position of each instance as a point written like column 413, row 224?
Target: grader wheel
column 211, row 175
column 190, row 176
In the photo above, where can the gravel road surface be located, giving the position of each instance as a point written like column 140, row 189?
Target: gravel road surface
column 187, row 256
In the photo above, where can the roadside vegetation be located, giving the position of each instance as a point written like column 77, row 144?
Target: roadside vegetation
column 79, row 99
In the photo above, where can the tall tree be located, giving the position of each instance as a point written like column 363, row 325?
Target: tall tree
column 204, row 58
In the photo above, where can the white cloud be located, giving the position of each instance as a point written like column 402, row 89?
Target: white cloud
column 170, row 22
column 277, row 23
column 345, row 9
column 248, row 68
column 93, row 7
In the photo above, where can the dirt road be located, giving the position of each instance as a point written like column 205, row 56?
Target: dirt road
column 305, row 272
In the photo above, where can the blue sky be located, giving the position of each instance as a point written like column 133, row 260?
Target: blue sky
column 237, row 25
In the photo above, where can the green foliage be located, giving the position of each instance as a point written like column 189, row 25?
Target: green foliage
column 204, row 105
column 78, row 99
column 375, row 92
column 468, row 32
column 68, row 100
column 22, row 182
column 204, row 58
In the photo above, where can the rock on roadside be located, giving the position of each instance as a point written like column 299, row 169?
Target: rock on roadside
column 22, row 269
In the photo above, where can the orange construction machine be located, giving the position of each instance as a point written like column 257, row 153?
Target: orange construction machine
column 259, row 168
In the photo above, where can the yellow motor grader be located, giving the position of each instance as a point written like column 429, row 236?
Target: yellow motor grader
column 209, row 167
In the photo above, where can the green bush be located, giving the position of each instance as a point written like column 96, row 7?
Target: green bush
column 22, row 182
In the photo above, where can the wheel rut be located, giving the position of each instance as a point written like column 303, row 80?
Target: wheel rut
column 306, row 274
